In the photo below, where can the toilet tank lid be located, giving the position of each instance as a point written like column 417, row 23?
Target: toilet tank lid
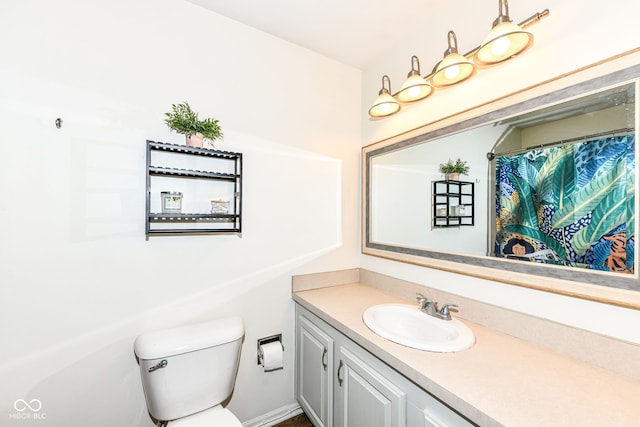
column 184, row 339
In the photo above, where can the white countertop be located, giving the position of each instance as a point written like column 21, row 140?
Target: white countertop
column 500, row 381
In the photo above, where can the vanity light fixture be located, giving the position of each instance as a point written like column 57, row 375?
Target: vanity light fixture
column 505, row 40
column 385, row 104
column 454, row 68
column 415, row 87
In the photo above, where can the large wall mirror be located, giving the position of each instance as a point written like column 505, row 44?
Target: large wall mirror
column 549, row 201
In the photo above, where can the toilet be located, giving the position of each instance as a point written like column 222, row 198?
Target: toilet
column 188, row 371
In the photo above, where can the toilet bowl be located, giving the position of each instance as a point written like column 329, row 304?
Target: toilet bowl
column 188, row 371
column 214, row 417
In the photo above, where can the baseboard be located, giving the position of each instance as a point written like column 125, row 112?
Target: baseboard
column 274, row 417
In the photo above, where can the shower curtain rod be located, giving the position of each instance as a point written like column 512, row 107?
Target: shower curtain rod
column 492, row 155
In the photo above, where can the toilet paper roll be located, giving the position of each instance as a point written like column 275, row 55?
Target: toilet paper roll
column 272, row 356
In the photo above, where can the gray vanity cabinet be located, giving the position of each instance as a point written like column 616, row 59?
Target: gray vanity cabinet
column 314, row 364
column 340, row 384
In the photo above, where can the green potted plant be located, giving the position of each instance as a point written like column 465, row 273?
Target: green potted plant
column 184, row 120
column 452, row 170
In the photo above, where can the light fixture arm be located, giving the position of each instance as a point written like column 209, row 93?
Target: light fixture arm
column 453, row 43
column 415, row 66
column 503, row 13
column 385, row 89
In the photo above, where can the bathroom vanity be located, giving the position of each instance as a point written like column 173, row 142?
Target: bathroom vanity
column 364, row 390
column 347, row 375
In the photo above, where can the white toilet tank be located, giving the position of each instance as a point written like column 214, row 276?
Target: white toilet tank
column 191, row 368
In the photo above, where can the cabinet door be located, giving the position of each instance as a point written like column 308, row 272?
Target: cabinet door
column 424, row 410
column 314, row 383
column 364, row 398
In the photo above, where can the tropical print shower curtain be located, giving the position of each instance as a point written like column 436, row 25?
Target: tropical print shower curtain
column 569, row 205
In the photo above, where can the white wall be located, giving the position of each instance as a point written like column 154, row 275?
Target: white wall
column 576, row 34
column 79, row 281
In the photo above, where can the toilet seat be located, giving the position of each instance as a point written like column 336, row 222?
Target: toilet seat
column 213, row 417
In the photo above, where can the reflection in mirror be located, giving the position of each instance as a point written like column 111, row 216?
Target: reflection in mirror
column 401, row 198
column 565, row 184
column 554, row 182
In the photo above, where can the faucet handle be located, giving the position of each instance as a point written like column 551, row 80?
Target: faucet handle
column 444, row 311
column 421, row 298
column 426, row 305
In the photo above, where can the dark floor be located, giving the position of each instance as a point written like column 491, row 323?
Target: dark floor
column 297, row 421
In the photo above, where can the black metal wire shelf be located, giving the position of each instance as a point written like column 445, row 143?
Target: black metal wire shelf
column 192, row 231
column 164, row 146
column 194, row 223
column 190, row 173
column 170, row 217
column 448, row 195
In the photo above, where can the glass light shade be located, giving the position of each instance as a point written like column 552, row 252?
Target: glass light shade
column 504, row 41
column 384, row 105
column 453, row 69
column 414, row 89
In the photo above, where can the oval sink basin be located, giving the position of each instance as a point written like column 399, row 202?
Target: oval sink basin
column 405, row 324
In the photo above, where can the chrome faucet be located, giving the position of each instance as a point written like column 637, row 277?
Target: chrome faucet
column 431, row 307
column 426, row 305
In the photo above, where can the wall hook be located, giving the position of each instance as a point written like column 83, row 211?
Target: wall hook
column 58, row 122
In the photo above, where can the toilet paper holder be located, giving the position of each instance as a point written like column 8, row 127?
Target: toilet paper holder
column 267, row 340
